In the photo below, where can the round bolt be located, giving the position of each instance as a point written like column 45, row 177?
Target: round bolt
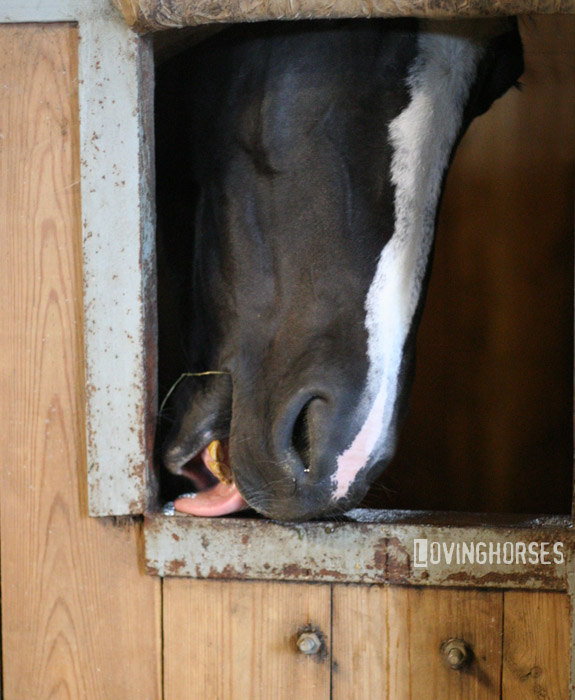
column 456, row 653
column 308, row 643
column 455, row 657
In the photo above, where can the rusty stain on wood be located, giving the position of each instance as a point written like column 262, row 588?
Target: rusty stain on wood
column 380, row 551
column 115, row 80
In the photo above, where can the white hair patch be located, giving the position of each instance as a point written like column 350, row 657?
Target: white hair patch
column 422, row 137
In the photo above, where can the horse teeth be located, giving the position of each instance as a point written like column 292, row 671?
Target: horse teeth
column 217, row 464
column 216, row 451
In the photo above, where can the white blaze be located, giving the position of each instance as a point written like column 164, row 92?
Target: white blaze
column 422, row 137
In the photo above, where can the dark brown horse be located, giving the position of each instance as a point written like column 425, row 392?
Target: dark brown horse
column 314, row 156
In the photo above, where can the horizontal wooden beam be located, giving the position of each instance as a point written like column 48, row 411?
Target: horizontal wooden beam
column 393, row 547
column 154, row 15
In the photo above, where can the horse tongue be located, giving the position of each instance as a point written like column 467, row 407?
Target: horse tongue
column 221, row 499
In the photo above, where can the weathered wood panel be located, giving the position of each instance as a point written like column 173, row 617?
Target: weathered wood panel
column 382, row 547
column 232, row 641
column 536, row 646
column 117, row 173
column 387, row 643
column 79, row 619
column 146, row 15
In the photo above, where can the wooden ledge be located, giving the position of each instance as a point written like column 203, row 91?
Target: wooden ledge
column 155, row 15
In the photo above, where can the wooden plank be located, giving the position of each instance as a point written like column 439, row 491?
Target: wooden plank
column 79, row 619
column 232, row 641
column 536, row 646
column 387, row 640
column 381, row 548
column 146, row 15
column 117, row 173
column 364, row 643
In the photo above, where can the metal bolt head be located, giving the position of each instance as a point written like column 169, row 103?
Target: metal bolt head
column 456, row 653
column 455, row 658
column 308, row 643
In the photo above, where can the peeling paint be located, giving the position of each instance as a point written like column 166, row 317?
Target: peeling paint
column 350, row 552
column 115, row 72
column 118, row 257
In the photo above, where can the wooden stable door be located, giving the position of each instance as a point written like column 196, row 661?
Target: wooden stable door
column 231, row 640
column 80, row 619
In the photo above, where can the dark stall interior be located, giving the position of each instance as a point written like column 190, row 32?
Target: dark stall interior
column 490, row 426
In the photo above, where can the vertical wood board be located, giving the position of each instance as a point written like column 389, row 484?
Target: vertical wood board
column 115, row 86
column 387, row 643
column 232, row 641
column 536, row 646
column 79, row 619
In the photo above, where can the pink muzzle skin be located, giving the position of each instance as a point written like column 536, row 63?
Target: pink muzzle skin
column 356, row 457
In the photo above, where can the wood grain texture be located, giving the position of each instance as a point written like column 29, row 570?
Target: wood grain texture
column 79, row 620
column 536, row 646
column 146, row 15
column 228, row 640
column 386, row 643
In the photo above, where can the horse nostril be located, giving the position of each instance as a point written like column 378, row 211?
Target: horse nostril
column 301, row 436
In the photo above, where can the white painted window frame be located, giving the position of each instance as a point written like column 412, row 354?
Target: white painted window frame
column 116, row 150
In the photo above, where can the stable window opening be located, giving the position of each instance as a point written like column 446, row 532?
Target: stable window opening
column 490, row 426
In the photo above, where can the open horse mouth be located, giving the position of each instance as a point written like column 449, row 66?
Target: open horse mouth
column 211, row 474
